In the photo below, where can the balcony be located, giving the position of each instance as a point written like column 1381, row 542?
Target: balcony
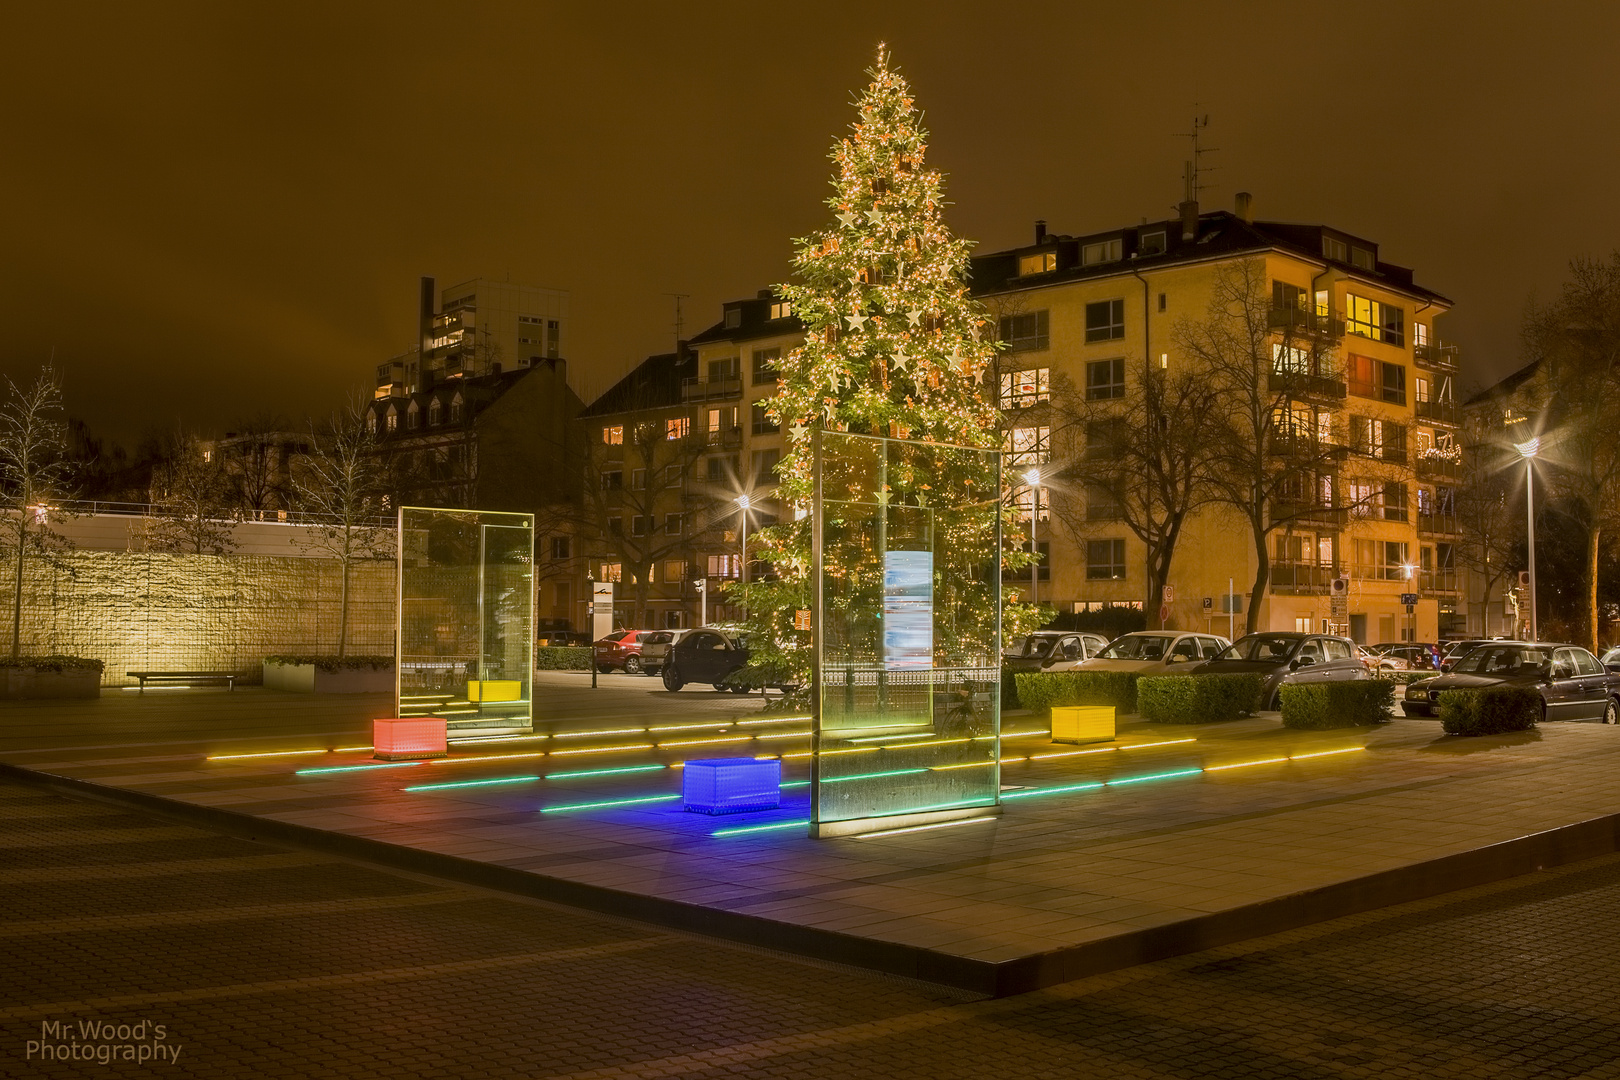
column 1301, row 577
column 1433, row 581
column 1305, row 446
column 730, row 437
column 1306, row 387
column 1437, row 412
column 1309, row 513
column 1437, row 524
column 727, row 386
column 1304, row 321
column 1433, row 356
column 1431, row 465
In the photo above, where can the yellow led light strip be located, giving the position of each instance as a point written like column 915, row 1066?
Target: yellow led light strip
column 605, row 749
column 706, row 742
column 1245, row 764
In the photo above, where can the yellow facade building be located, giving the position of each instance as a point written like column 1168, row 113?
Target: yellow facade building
column 1086, row 315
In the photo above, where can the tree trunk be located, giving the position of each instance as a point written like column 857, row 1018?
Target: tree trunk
column 343, row 608
column 1262, row 576
column 1592, row 545
column 16, row 592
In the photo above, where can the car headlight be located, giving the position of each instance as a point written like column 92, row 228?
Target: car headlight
column 1413, row 693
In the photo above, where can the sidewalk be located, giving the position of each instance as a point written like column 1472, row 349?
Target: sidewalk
column 1156, row 851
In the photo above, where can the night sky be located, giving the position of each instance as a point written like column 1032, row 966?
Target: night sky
column 217, row 209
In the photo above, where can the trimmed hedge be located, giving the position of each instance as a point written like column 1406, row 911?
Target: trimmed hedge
column 65, row 664
column 1040, row 690
column 1404, row 678
column 1316, row 706
column 329, row 662
column 1490, row 711
column 1198, row 699
column 563, row 658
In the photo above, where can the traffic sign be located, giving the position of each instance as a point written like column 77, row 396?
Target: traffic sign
column 1164, row 612
column 1169, row 594
column 801, row 619
column 1409, row 598
column 1209, row 603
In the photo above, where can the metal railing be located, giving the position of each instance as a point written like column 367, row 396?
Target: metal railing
column 1306, row 321
column 1443, row 524
column 1298, row 384
column 1438, row 467
column 699, row 389
column 1435, row 356
column 87, row 507
column 1439, row 412
column 1301, row 577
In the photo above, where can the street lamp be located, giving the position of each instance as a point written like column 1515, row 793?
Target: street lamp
column 1528, row 451
column 1033, row 479
column 743, row 503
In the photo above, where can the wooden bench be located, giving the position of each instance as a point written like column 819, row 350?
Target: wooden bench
column 184, row 677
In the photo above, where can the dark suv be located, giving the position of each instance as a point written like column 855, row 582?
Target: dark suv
column 1281, row 657
column 707, row 655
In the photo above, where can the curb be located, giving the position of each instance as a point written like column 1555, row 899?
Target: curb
column 1511, row 858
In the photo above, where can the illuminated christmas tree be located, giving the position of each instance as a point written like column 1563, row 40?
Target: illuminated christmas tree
column 893, row 344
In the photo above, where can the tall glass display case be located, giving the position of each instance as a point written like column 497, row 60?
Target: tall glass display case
column 465, row 620
column 906, row 568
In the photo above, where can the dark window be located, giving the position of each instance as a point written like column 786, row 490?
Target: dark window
column 612, row 481
column 1102, row 503
column 1026, row 331
column 1105, row 560
column 1105, row 379
column 765, row 361
column 722, row 467
column 1150, row 244
column 1394, row 383
column 559, row 547
column 1161, row 301
column 1394, row 502
column 762, row 422
column 765, row 467
column 1105, row 320
column 1105, row 439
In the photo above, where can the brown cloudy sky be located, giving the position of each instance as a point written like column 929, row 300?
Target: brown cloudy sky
column 217, row 208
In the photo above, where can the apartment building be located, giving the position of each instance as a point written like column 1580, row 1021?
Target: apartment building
column 676, row 447
column 477, row 328
column 1093, row 312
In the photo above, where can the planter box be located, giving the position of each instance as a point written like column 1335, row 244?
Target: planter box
column 20, row 683
column 308, row 679
column 1082, row 723
column 406, row 738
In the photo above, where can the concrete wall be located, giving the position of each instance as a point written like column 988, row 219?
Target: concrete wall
column 168, row 612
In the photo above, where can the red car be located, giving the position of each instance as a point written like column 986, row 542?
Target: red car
column 620, row 649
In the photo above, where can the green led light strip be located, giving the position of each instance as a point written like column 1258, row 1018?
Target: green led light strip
column 474, row 783
column 604, row 772
column 761, row 828
column 871, row 775
column 355, row 768
column 611, row 802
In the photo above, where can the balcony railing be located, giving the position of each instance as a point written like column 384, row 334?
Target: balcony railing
column 1300, row 320
column 726, row 437
column 1301, row 577
column 707, row 389
column 1435, row 357
column 1437, row 412
column 1438, row 580
column 1310, row 512
column 1300, row 385
column 1441, row 524
column 1438, row 467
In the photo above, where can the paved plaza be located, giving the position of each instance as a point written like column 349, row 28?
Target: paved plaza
column 1171, row 840
column 266, row 962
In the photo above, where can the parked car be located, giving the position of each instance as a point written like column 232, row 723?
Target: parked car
column 1052, row 650
column 707, row 655
column 1417, row 656
column 1459, row 649
column 1374, row 659
column 1287, row 657
column 655, row 648
column 1155, row 652
column 1611, row 659
column 620, row 649
column 1573, row 685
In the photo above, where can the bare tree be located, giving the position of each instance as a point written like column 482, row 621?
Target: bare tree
column 648, row 505
column 1143, row 459
column 340, row 484
column 1277, row 442
column 34, row 471
column 258, row 464
column 1489, row 522
column 1576, row 340
column 192, row 498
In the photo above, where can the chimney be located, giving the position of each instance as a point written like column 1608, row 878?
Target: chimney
column 427, row 299
column 1040, row 231
column 1189, row 221
column 1245, row 207
column 424, row 317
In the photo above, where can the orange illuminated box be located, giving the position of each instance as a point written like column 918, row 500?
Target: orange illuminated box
column 405, row 738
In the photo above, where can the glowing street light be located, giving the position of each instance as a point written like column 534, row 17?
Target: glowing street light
column 1528, row 451
column 743, row 503
column 1033, row 479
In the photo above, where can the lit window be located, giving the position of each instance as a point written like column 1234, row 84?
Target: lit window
column 609, row 571
column 613, row 436
column 1370, row 318
column 1101, row 252
column 393, row 421
column 435, row 413
column 1029, row 446
column 781, row 309
column 678, row 428
column 675, row 570
column 723, row 566
column 455, row 411
column 1039, row 263
column 1020, row 389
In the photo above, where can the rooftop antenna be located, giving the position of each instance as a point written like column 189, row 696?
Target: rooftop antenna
column 680, row 323
column 1194, row 168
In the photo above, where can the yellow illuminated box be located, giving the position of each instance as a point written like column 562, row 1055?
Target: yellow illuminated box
column 495, row 690
column 1082, row 723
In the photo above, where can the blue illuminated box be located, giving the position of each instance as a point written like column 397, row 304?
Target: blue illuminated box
column 731, row 785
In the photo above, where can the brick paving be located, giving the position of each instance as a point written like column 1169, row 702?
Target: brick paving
column 284, row 963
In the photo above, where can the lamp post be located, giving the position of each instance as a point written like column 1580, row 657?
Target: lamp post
column 743, row 503
column 1528, row 451
column 1033, row 479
